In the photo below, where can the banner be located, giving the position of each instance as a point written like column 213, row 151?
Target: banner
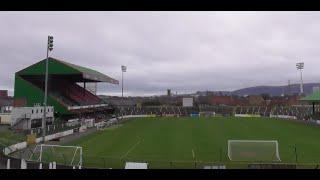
column 247, row 115
column 31, row 139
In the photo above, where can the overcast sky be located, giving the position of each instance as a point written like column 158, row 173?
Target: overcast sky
column 183, row 51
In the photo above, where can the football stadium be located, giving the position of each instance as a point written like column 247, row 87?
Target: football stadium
column 86, row 131
column 204, row 110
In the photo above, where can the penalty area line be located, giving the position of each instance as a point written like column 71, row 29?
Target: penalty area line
column 137, row 143
column 193, row 155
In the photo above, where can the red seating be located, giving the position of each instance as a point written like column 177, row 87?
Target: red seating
column 76, row 93
column 81, row 95
column 70, row 93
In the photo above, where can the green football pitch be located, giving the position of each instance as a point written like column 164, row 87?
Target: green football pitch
column 186, row 142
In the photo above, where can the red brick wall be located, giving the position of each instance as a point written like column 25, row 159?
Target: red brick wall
column 3, row 93
column 19, row 102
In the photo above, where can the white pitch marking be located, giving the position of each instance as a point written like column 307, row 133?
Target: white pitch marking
column 193, row 156
column 131, row 149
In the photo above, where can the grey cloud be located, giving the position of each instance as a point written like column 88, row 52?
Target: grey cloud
column 184, row 51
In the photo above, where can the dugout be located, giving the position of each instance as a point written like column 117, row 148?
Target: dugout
column 314, row 98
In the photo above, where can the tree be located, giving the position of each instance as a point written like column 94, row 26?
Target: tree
column 265, row 96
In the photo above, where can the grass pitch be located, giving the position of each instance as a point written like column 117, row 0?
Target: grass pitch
column 170, row 142
column 7, row 137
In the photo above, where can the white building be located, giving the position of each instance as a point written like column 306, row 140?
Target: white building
column 187, row 102
column 30, row 117
column 5, row 109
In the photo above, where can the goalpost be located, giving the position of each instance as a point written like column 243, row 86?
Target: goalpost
column 253, row 150
column 207, row 113
column 67, row 155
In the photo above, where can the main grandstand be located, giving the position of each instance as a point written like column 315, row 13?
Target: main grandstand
column 65, row 92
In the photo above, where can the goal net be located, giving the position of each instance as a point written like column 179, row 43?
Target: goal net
column 65, row 155
column 207, row 113
column 253, row 150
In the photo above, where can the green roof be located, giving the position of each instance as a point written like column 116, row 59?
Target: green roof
column 315, row 96
column 91, row 74
column 59, row 67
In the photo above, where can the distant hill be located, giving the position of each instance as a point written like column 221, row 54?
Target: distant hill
column 256, row 90
column 276, row 90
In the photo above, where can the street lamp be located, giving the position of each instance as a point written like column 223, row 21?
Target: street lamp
column 300, row 67
column 49, row 48
column 123, row 69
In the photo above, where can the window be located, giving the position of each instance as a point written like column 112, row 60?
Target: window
column 37, row 111
column 40, row 110
column 32, row 111
column 48, row 110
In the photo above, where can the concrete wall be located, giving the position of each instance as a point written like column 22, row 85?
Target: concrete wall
column 56, row 135
column 133, row 116
column 247, row 115
column 15, row 147
column 22, row 145
column 283, row 116
column 124, row 117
